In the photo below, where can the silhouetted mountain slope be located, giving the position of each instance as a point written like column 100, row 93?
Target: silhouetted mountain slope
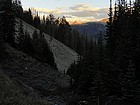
column 31, row 74
column 63, row 55
column 91, row 28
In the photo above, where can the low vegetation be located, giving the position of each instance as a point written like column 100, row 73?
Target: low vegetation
column 11, row 93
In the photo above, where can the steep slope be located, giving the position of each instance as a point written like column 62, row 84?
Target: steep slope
column 11, row 93
column 41, row 79
column 63, row 55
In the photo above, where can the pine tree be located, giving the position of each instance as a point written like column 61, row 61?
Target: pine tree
column 1, row 30
column 100, row 46
column 21, row 36
column 8, row 22
column 130, row 86
column 36, row 45
column 27, row 17
column 30, row 17
column 37, row 22
column 41, row 48
column 98, row 89
column 135, row 39
column 35, row 35
column 109, row 33
column 28, row 47
column 17, row 7
column 2, row 48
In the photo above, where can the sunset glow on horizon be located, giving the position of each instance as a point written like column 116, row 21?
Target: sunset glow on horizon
column 75, row 11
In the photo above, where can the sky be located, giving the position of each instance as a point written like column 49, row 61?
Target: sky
column 73, row 10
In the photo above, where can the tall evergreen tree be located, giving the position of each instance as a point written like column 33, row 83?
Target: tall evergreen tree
column 1, row 30
column 1, row 38
column 41, row 48
column 130, row 86
column 27, row 17
column 28, row 47
column 17, row 7
column 21, row 36
column 37, row 22
column 8, row 22
column 135, row 33
column 109, row 32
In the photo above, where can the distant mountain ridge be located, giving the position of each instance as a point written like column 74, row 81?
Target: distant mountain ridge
column 91, row 28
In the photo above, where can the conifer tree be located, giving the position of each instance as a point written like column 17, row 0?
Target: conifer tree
column 30, row 17
column 98, row 89
column 21, row 36
column 130, row 86
column 135, row 33
column 1, row 30
column 17, row 7
column 109, row 33
column 35, row 42
column 28, row 47
column 2, row 48
column 8, row 22
column 37, row 22
column 27, row 17
column 41, row 48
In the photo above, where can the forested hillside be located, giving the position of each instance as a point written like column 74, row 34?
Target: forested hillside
column 28, row 72
column 63, row 55
column 109, row 74
column 105, row 72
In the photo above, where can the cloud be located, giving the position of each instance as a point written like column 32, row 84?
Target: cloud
column 85, row 10
column 83, row 7
column 68, row 16
column 79, row 12
column 48, row 11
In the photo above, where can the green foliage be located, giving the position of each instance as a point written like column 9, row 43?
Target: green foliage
column 89, row 74
column 125, row 37
column 104, row 70
column 125, row 47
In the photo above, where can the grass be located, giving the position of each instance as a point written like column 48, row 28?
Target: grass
column 13, row 94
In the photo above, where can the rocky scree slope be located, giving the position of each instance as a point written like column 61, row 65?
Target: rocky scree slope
column 63, row 55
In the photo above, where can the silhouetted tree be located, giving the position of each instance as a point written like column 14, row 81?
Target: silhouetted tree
column 109, row 32
column 130, row 86
column 27, row 17
column 21, row 36
column 8, row 22
column 28, row 47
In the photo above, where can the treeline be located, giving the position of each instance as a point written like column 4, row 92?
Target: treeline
column 57, row 28
column 108, row 74
column 36, row 46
